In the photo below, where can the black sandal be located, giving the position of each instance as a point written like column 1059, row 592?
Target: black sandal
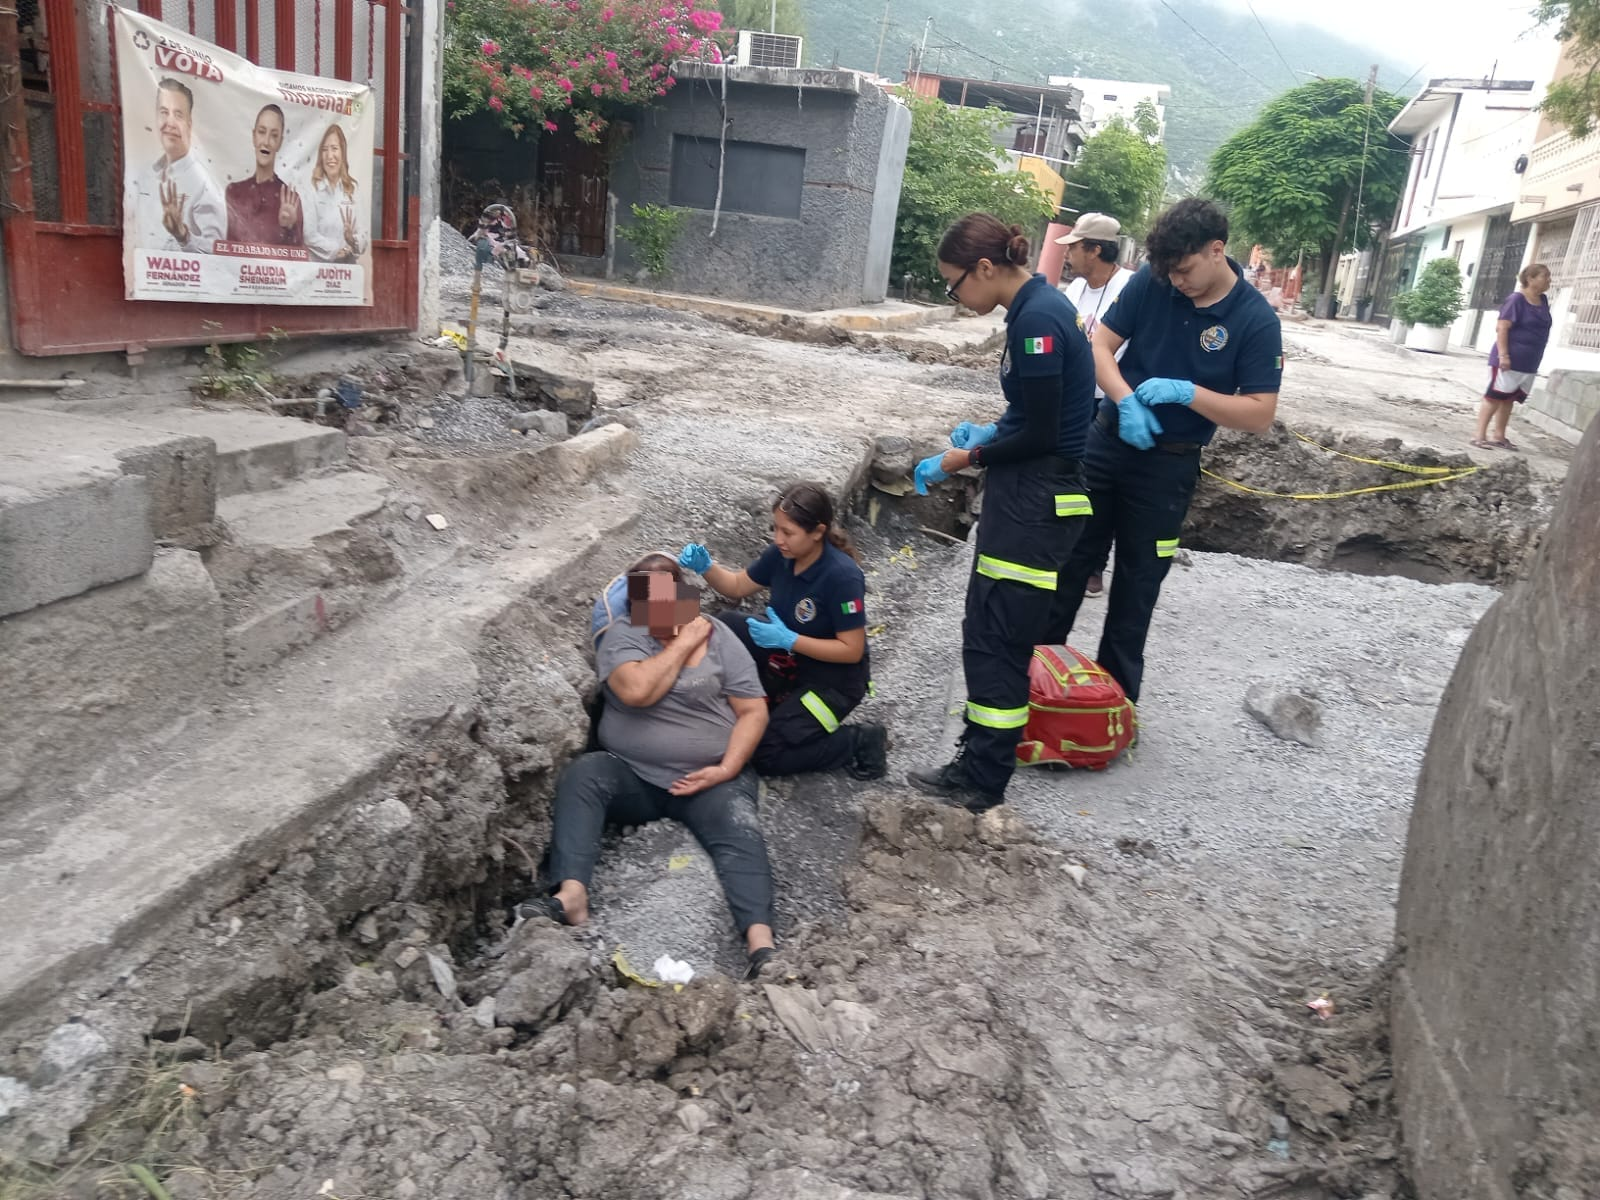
column 758, row 959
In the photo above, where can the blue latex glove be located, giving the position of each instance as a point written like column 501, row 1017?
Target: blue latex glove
column 1165, row 391
column 696, row 558
column 772, row 634
column 927, row 472
column 1136, row 424
column 967, row 436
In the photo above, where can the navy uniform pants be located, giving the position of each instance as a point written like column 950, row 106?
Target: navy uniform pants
column 805, row 724
column 1140, row 499
column 1032, row 515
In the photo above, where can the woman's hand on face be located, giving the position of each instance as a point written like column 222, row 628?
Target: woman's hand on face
column 696, row 782
column 696, row 633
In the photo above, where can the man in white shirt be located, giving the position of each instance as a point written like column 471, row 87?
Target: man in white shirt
column 1092, row 248
column 177, row 205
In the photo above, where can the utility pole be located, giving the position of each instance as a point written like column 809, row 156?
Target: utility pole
column 1366, row 131
column 883, row 32
column 773, row 28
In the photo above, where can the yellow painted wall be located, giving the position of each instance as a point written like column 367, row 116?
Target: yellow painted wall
column 1055, row 187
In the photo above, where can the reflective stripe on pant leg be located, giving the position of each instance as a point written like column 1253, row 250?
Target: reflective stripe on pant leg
column 818, row 708
column 999, row 568
column 1074, row 504
column 1166, row 547
column 997, row 718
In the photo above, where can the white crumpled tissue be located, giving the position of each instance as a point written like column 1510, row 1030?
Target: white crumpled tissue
column 670, row 970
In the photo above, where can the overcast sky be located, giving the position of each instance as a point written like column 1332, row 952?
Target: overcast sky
column 1444, row 37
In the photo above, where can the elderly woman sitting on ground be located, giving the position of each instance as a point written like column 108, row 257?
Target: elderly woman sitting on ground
column 683, row 711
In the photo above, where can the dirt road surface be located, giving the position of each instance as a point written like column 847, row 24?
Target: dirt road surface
column 1101, row 990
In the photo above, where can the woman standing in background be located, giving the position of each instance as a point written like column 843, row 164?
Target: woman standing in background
column 1521, row 335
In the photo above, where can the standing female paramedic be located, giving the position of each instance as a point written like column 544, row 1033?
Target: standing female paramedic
column 1034, row 501
column 811, row 650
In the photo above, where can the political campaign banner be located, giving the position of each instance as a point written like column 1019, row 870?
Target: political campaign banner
column 241, row 185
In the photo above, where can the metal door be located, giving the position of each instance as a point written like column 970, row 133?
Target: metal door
column 61, row 182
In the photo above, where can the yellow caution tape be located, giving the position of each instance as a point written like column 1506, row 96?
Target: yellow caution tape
column 1433, row 475
column 678, row 862
column 1409, row 468
column 1366, row 491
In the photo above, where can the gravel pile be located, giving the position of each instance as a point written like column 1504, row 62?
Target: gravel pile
column 456, row 255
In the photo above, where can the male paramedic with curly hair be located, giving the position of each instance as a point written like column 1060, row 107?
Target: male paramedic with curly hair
column 1204, row 349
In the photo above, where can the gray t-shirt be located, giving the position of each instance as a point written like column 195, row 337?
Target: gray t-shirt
column 688, row 727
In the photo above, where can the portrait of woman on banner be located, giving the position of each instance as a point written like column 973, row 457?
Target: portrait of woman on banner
column 335, row 214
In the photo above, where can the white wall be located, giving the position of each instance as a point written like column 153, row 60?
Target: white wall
column 1097, row 110
column 1471, row 166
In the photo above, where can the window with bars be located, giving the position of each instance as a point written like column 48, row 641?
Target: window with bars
column 1581, row 274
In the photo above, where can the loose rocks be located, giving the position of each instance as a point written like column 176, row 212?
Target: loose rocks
column 539, row 420
column 1290, row 715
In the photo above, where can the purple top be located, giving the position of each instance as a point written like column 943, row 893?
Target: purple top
column 1530, row 330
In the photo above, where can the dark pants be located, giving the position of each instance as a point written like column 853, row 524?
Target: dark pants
column 600, row 789
column 1032, row 515
column 809, row 702
column 1140, row 499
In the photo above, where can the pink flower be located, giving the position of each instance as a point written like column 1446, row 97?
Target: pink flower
column 694, row 46
column 596, row 89
column 574, row 63
column 550, row 125
column 494, row 103
column 706, row 22
column 536, row 92
column 605, row 17
column 564, row 84
column 611, row 58
column 623, row 85
column 488, row 48
column 573, row 6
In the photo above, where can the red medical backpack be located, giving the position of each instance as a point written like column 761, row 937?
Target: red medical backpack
column 1077, row 713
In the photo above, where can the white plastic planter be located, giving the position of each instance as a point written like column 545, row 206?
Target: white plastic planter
column 1398, row 330
column 1432, row 339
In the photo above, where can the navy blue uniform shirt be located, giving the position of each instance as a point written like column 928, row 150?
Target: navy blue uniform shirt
column 1044, row 339
column 824, row 600
column 1234, row 346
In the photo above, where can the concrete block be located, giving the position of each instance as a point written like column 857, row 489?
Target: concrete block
column 294, row 517
column 588, row 454
column 255, row 452
column 1496, row 1024
column 65, row 532
column 284, row 628
column 86, row 675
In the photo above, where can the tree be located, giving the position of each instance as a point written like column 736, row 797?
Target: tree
column 1574, row 100
column 1121, row 173
column 952, row 169
column 1292, row 178
column 528, row 61
column 1146, row 120
column 739, row 15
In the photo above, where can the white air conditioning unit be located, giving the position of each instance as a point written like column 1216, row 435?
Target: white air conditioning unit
column 768, row 49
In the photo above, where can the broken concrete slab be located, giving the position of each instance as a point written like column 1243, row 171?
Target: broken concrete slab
column 588, row 454
column 866, row 318
column 255, row 452
column 295, row 516
column 261, row 775
column 98, row 670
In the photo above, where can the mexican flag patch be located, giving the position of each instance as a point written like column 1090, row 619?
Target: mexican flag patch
column 1279, row 363
column 1044, row 345
column 851, row 607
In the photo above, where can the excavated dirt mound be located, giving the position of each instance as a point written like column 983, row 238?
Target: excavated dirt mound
column 951, row 1038
column 1481, row 528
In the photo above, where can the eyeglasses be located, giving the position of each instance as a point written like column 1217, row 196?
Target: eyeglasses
column 951, row 290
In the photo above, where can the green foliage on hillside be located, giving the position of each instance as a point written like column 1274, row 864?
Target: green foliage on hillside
column 757, row 14
column 1108, row 39
column 951, row 171
column 1122, row 174
column 1293, row 176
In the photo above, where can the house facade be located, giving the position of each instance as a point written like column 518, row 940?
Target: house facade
column 1104, row 99
column 1556, row 210
column 1467, row 137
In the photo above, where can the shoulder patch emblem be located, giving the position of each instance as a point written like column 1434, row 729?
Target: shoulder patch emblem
column 806, row 611
column 1038, row 345
column 1214, row 338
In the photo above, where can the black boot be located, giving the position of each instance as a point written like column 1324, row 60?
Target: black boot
column 952, row 785
column 870, row 759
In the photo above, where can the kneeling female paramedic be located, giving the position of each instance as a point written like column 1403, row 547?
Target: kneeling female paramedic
column 811, row 649
column 1034, row 500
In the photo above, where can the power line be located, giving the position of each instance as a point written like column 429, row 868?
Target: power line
column 1272, row 43
column 1242, row 70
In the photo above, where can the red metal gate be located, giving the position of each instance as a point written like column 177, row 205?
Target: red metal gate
column 61, row 183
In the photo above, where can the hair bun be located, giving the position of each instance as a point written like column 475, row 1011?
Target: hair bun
column 1017, row 248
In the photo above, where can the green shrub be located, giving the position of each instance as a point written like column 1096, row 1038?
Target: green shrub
column 654, row 231
column 1437, row 298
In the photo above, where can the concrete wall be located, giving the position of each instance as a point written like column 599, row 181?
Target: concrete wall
column 1496, row 1019
column 814, row 262
column 1570, row 397
column 431, row 137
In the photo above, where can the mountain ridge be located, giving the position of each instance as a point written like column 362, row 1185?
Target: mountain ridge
column 1217, row 88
